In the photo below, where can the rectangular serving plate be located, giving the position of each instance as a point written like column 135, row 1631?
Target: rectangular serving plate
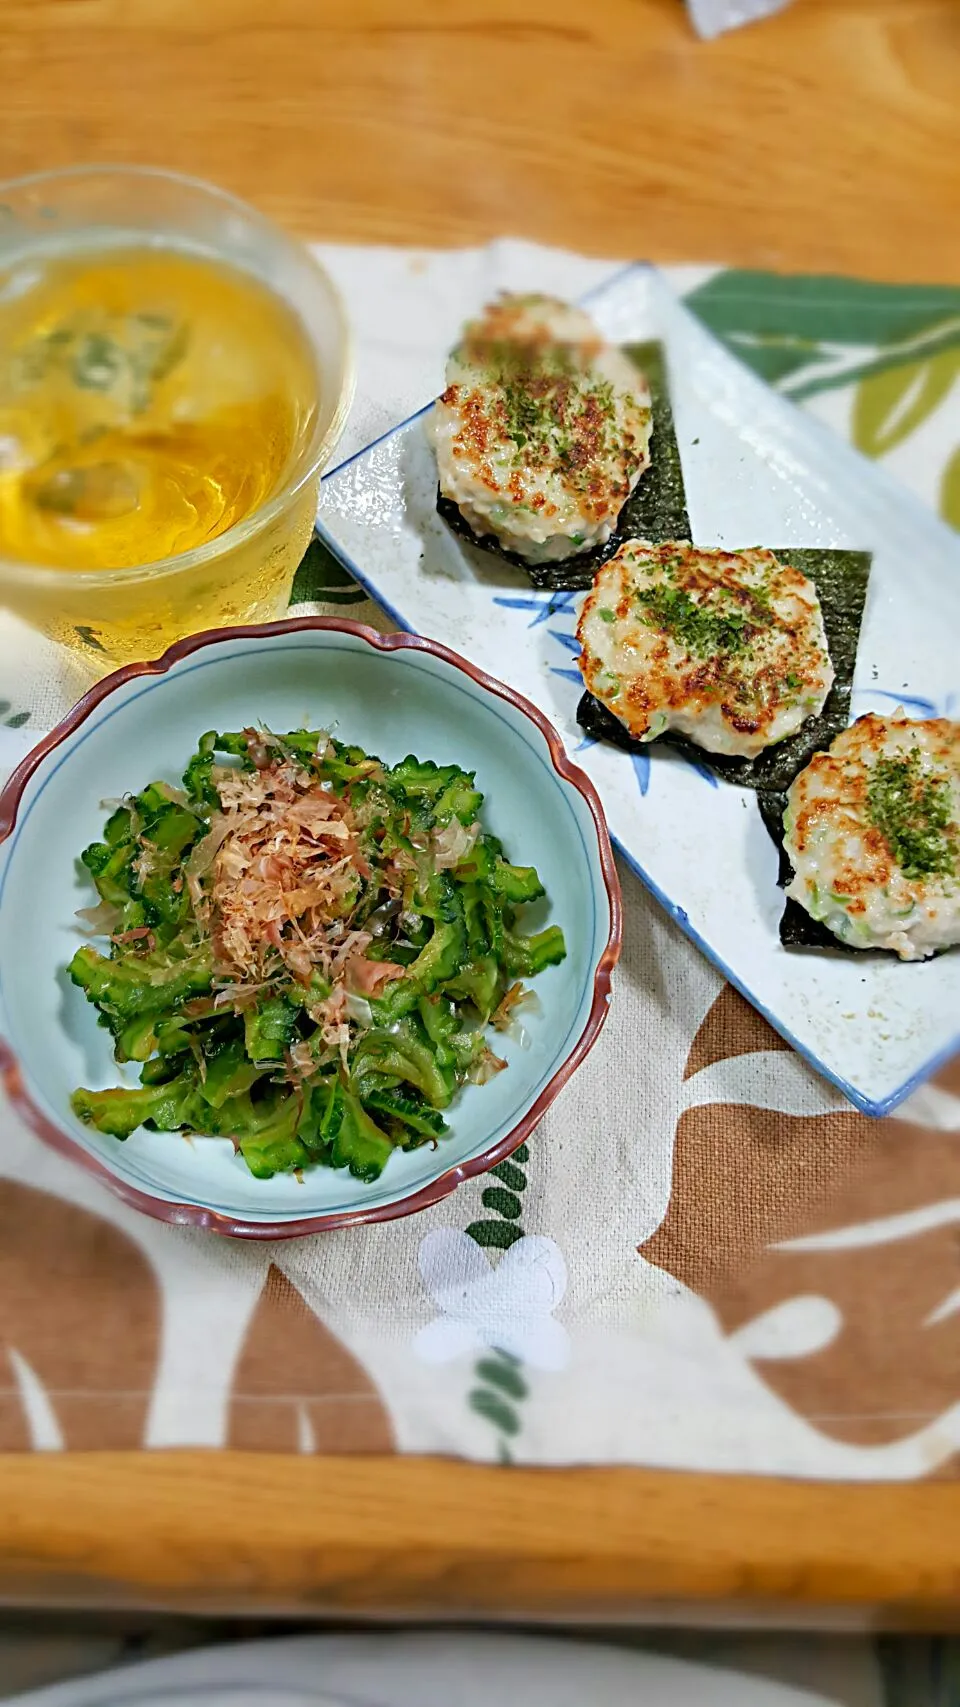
column 757, row 471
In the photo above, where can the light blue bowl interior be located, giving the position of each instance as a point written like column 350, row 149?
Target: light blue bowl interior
column 390, row 703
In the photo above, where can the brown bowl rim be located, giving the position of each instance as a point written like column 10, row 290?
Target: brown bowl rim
column 196, row 1214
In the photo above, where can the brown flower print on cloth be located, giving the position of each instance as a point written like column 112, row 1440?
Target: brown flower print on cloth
column 297, row 1388
column 79, row 1327
column 949, row 1078
column 730, row 1027
column 754, row 1193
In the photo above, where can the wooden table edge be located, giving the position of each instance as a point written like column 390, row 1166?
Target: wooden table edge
column 357, row 1536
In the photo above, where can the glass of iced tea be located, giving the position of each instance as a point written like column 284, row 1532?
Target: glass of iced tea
column 174, row 372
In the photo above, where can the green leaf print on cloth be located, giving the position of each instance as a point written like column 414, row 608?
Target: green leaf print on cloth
column 322, row 580
column 891, row 404
column 890, row 354
column 12, row 719
column 748, row 310
column 950, row 491
column 500, row 1385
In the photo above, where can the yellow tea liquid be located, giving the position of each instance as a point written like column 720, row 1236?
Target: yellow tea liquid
column 149, row 400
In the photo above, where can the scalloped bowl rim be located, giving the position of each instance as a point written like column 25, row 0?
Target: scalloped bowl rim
column 197, row 1214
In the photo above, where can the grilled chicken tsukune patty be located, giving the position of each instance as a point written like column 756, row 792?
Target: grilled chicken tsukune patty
column 726, row 647
column 543, row 430
column 872, row 830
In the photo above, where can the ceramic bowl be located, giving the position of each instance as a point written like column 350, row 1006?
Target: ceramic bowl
column 394, row 694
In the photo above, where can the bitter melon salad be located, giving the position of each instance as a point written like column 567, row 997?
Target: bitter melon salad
column 307, row 947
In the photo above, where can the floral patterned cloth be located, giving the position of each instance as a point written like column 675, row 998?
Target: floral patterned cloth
column 703, row 1258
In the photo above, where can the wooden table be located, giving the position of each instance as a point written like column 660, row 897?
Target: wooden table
column 825, row 138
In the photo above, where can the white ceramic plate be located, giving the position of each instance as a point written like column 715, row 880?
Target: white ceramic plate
column 756, row 472
column 455, row 1670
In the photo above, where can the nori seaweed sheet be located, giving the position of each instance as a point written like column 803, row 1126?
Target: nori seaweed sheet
column 797, row 928
column 841, row 581
column 656, row 509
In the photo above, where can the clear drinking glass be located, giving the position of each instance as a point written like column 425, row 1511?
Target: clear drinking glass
column 245, row 574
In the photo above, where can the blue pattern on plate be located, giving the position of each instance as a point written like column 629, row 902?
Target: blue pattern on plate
column 641, row 770
column 544, row 605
